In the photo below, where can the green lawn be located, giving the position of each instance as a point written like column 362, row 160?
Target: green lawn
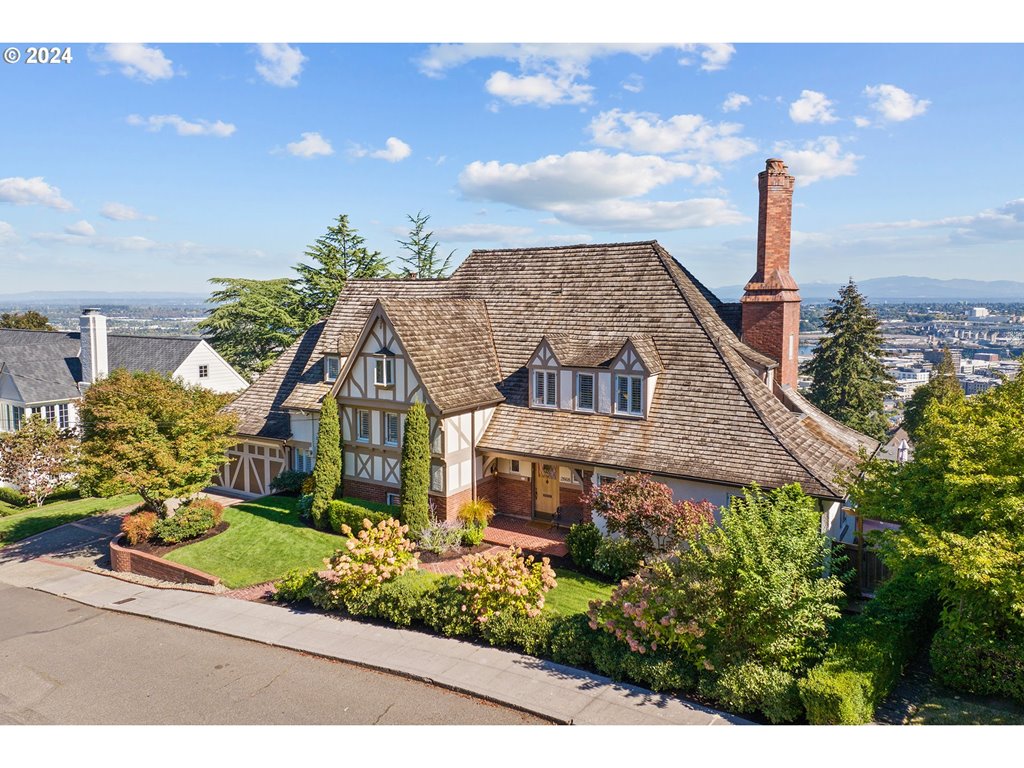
column 31, row 520
column 574, row 592
column 966, row 710
column 264, row 541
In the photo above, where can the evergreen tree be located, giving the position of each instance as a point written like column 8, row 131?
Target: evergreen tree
column 422, row 261
column 416, row 470
column 848, row 380
column 943, row 387
column 28, row 321
column 253, row 321
column 327, row 470
column 338, row 256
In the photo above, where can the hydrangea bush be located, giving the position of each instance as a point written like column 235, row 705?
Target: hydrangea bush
column 372, row 556
column 504, row 581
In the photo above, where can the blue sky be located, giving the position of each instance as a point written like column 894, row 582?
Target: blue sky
column 158, row 166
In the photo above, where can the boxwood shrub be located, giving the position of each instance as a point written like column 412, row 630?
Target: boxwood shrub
column 869, row 653
column 978, row 664
column 192, row 519
column 351, row 512
column 12, row 496
column 582, row 542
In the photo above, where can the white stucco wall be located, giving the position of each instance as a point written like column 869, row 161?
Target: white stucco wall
column 222, row 377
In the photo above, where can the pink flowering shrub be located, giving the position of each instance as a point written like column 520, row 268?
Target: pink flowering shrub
column 493, row 583
column 642, row 510
column 371, row 557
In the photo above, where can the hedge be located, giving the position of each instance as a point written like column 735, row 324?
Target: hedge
column 351, row 512
column 978, row 664
column 869, row 653
column 12, row 496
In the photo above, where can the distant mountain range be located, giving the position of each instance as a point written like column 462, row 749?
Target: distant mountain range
column 905, row 289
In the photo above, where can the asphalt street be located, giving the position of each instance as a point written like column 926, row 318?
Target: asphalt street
column 65, row 663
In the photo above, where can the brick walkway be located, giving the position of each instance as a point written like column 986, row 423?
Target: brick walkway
column 527, row 535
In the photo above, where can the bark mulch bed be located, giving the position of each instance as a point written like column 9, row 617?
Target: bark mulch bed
column 453, row 554
column 159, row 550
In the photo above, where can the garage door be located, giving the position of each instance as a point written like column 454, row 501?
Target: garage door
column 251, row 467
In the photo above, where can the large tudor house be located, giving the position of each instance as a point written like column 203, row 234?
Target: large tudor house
column 545, row 370
column 46, row 372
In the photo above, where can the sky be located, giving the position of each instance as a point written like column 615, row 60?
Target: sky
column 154, row 167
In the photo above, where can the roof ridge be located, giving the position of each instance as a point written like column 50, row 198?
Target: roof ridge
column 663, row 255
column 632, row 243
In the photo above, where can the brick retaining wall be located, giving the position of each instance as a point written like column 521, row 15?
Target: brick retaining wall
column 124, row 560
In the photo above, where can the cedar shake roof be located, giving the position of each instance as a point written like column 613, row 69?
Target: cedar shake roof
column 712, row 417
column 261, row 408
column 597, row 350
column 449, row 345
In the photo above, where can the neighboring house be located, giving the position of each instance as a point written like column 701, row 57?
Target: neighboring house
column 547, row 370
column 46, row 372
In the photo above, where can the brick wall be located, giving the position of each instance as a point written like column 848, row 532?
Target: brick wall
column 360, row 489
column 447, row 507
column 510, row 495
column 126, row 560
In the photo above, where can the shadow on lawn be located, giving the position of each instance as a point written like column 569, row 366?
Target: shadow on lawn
column 281, row 510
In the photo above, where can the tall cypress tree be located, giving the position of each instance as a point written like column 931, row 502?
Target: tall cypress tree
column 848, row 380
column 416, row 469
column 338, row 256
column 423, row 261
column 943, row 386
column 327, row 470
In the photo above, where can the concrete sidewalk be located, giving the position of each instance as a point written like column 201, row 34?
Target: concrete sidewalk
column 559, row 693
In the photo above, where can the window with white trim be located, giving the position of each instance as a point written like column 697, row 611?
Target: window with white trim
column 17, row 416
column 302, row 460
column 435, row 436
column 204, row 371
column 515, row 466
column 629, row 395
column 391, row 429
column 63, row 416
column 545, row 388
column 384, row 372
column 363, row 426
column 584, row 391
column 49, row 413
column 332, row 365
column 394, row 499
column 437, row 477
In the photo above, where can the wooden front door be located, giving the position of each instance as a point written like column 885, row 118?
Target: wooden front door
column 545, row 485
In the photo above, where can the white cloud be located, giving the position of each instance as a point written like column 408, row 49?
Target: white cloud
column 7, row 233
column 894, row 104
column 312, row 144
column 861, row 122
column 648, row 216
column 81, row 229
column 184, row 127
column 993, row 224
column 394, row 150
column 691, row 136
column 280, row 64
column 541, row 89
column 573, row 177
column 633, row 84
column 812, row 107
column 714, row 56
column 469, row 233
column 820, row 159
column 122, row 212
column 734, row 101
column 21, row 191
column 139, row 62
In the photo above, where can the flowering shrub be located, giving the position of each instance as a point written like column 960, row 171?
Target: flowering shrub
column 138, row 526
column 372, row 556
column 504, row 581
column 642, row 510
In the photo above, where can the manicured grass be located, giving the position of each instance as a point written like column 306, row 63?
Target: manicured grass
column 574, row 592
column 966, row 710
column 264, row 541
column 28, row 521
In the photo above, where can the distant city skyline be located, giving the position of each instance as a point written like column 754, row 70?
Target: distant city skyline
column 158, row 166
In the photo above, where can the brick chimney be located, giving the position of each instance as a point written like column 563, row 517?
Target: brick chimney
column 771, row 300
column 93, row 355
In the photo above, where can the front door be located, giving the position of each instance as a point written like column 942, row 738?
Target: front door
column 545, row 484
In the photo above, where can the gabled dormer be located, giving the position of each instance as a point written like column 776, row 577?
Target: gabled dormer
column 600, row 373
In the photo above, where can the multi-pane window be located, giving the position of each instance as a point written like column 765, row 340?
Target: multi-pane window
column 629, row 395
column 17, row 416
column 391, row 429
column 204, row 371
column 584, row 391
column 436, row 477
column 384, row 372
column 545, row 388
column 331, row 367
column 363, row 426
column 303, row 460
column 48, row 413
column 63, row 420
column 515, row 466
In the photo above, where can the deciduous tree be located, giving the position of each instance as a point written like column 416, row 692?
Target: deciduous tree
column 28, row 321
column 943, row 386
column 154, row 435
column 38, row 458
column 848, row 380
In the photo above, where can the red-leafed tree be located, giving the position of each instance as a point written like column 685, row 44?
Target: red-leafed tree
column 38, row 458
column 642, row 510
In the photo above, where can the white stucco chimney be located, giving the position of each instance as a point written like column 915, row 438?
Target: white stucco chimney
column 93, row 355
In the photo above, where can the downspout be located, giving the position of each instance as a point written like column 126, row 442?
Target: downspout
column 472, row 455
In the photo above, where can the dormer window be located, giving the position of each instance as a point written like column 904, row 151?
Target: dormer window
column 384, row 371
column 332, row 365
column 629, row 397
column 584, row 391
column 545, row 389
